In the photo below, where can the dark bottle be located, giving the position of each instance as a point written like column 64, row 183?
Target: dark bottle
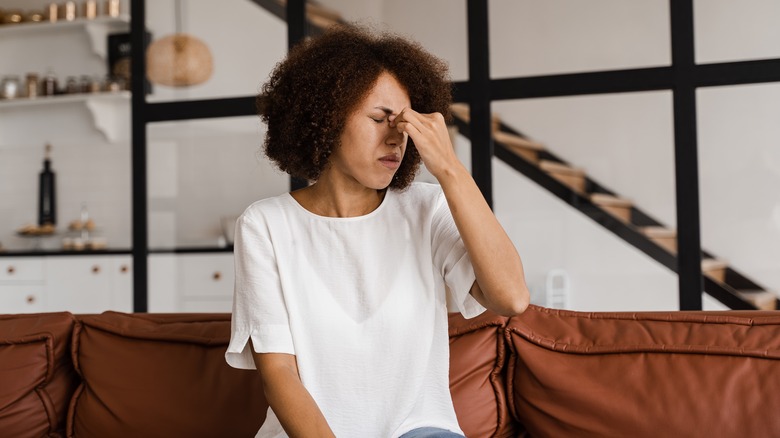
column 47, row 205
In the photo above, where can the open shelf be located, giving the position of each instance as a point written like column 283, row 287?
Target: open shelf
column 9, row 29
column 110, row 110
column 22, row 102
column 96, row 28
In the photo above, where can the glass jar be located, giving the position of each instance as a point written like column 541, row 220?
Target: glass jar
column 12, row 17
column 72, row 85
column 112, row 8
column 32, row 85
column 69, row 11
column 95, row 84
column 89, row 9
column 114, row 84
column 52, row 12
column 10, row 87
column 49, row 84
column 34, row 17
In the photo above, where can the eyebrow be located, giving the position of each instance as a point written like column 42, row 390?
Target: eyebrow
column 385, row 109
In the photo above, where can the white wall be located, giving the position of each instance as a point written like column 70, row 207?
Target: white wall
column 730, row 31
column 739, row 156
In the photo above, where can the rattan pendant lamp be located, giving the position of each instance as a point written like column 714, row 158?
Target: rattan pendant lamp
column 179, row 60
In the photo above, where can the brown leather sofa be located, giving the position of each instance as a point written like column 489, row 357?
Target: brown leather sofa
column 545, row 373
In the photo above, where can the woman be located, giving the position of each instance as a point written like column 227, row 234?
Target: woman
column 343, row 287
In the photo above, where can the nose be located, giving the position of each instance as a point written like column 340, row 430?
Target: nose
column 393, row 137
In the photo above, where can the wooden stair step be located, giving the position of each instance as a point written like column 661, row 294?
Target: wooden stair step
column 462, row 111
column 320, row 15
column 324, row 12
column 517, row 141
column 521, row 146
column 571, row 177
column 664, row 237
column 616, row 206
column 762, row 299
column 715, row 269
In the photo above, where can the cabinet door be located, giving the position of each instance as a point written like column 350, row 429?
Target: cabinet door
column 22, row 299
column 163, row 297
column 205, row 282
column 79, row 284
column 121, row 283
column 13, row 269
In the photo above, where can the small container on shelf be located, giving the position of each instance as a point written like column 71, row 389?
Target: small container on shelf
column 49, row 87
column 112, row 8
column 72, row 85
column 10, row 87
column 90, row 84
column 89, row 9
column 114, row 84
column 32, row 85
column 34, row 17
column 68, row 10
column 12, row 17
column 52, row 12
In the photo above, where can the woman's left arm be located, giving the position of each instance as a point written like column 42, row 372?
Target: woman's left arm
column 500, row 284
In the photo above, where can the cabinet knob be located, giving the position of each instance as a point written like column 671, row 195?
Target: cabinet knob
column 217, row 276
column 30, row 299
column 11, row 270
column 96, row 269
column 123, row 269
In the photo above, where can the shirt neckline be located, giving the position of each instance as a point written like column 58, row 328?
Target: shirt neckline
column 368, row 215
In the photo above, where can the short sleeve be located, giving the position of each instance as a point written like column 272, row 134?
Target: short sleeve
column 452, row 261
column 259, row 310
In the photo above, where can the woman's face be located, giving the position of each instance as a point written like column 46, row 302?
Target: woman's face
column 371, row 151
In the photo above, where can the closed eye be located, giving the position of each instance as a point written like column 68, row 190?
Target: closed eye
column 380, row 120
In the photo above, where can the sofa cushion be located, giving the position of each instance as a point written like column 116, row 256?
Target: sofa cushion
column 36, row 373
column 477, row 359
column 161, row 376
column 645, row 374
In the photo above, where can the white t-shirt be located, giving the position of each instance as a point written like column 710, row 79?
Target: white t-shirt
column 361, row 302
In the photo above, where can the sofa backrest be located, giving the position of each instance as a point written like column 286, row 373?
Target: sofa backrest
column 692, row 374
column 545, row 373
column 36, row 374
column 146, row 376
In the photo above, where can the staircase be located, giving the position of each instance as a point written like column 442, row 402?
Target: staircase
column 616, row 214
column 575, row 187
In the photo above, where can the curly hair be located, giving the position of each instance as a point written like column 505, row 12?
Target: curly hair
column 308, row 94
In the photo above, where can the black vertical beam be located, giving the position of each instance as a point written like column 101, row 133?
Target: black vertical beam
column 479, row 98
column 138, row 160
column 686, row 155
column 296, row 32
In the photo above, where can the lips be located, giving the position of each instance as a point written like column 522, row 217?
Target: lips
column 391, row 161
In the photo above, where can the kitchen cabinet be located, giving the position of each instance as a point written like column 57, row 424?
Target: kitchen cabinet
column 191, row 282
column 21, row 269
column 88, row 284
column 22, row 287
column 73, row 283
column 24, row 298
